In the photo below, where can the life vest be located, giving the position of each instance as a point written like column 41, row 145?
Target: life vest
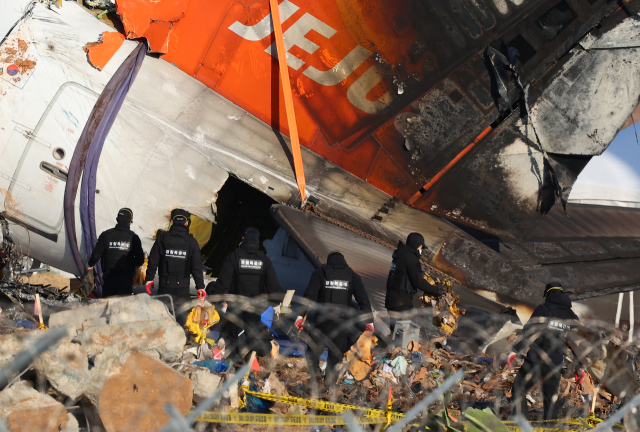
column 175, row 261
column 116, row 257
column 399, row 280
column 337, row 285
column 250, row 273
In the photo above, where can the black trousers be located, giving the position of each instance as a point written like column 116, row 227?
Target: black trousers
column 256, row 337
column 117, row 285
column 181, row 301
column 531, row 373
column 326, row 331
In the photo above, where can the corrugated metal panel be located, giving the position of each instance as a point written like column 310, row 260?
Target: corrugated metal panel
column 588, row 221
column 369, row 259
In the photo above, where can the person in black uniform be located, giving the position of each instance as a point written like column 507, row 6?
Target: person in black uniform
column 544, row 334
column 406, row 278
column 175, row 255
column 119, row 250
column 332, row 286
column 247, row 272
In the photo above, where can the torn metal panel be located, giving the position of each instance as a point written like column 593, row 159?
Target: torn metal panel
column 505, row 191
column 594, row 278
column 101, row 52
column 592, row 94
column 151, row 20
column 480, row 268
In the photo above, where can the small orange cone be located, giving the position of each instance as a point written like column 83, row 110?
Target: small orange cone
column 255, row 366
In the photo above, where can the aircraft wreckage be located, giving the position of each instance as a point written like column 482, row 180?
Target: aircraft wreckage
column 464, row 120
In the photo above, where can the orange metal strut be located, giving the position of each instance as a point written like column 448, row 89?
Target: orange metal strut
column 450, row 165
column 288, row 99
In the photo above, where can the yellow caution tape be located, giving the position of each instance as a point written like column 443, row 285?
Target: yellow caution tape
column 544, row 429
column 561, row 425
column 309, row 420
column 373, row 416
column 328, row 406
column 280, row 419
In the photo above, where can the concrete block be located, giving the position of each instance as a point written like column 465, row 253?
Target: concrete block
column 24, row 409
column 66, row 368
column 165, row 338
column 204, row 384
column 134, row 398
column 120, row 310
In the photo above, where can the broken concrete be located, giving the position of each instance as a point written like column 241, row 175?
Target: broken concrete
column 136, row 308
column 24, row 409
column 12, row 344
column 165, row 338
column 66, row 368
column 135, row 397
column 204, row 383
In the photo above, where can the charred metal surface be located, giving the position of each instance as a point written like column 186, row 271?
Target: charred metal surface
column 591, row 279
column 584, row 104
column 593, row 253
column 317, row 237
column 479, row 267
column 503, row 186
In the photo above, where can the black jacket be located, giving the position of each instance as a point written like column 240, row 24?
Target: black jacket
column 545, row 330
column 356, row 289
column 228, row 278
column 120, row 251
column 406, row 278
column 157, row 252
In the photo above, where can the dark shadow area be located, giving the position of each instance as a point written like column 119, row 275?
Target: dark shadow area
column 239, row 207
column 487, row 239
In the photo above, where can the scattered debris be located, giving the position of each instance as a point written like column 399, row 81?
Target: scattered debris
column 124, row 353
column 447, row 320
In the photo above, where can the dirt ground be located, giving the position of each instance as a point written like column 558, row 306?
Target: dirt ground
column 48, row 278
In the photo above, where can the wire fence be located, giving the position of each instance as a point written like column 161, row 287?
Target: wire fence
column 433, row 382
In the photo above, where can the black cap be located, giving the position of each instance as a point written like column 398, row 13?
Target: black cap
column 180, row 215
column 124, row 215
column 415, row 240
column 252, row 235
column 552, row 286
column 335, row 252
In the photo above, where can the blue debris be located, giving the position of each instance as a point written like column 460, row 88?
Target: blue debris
column 214, row 366
column 26, row 324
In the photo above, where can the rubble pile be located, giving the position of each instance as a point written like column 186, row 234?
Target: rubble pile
column 125, row 359
column 414, row 372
